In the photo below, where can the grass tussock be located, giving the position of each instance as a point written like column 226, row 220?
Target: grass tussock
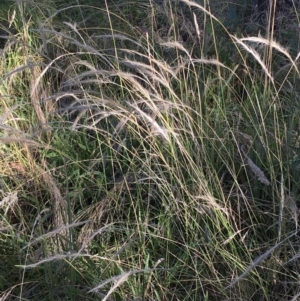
column 149, row 151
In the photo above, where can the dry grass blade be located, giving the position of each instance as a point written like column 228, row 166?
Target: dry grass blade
column 151, row 274
column 282, row 201
column 67, row 256
column 257, row 261
column 274, row 45
column 118, row 281
column 256, row 56
column 191, row 3
column 6, row 294
column 293, row 209
column 38, row 92
column 97, row 213
column 122, row 276
column 87, row 239
column 54, row 232
column 9, row 201
column 293, row 258
column 19, row 140
column 60, row 207
column 295, row 298
column 7, row 113
column 256, row 170
column 157, row 129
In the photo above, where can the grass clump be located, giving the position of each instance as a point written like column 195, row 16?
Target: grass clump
column 148, row 152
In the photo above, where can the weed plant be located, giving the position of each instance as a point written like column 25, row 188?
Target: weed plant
column 149, row 151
